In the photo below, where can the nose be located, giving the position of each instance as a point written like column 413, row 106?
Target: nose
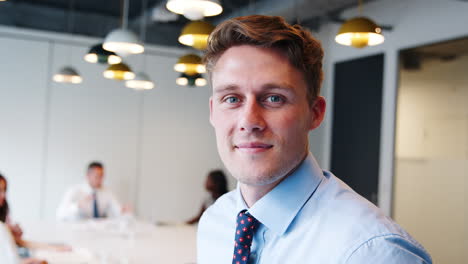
column 252, row 119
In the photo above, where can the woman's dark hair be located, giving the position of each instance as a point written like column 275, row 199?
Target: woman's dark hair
column 219, row 181
column 4, row 208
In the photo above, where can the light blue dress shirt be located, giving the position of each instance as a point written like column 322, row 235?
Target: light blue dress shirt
column 310, row 217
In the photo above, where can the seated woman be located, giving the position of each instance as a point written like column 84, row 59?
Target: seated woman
column 15, row 229
column 215, row 185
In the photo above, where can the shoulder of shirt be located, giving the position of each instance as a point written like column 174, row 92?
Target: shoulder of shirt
column 223, row 207
column 360, row 219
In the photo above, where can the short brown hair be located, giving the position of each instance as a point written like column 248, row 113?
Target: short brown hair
column 95, row 164
column 303, row 51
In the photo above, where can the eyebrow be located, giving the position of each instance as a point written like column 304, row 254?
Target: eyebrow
column 225, row 88
column 278, row 86
column 266, row 87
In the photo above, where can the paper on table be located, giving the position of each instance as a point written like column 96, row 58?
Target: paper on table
column 76, row 256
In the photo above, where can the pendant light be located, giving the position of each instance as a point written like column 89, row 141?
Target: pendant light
column 119, row 71
column 195, row 9
column 195, row 34
column 141, row 80
column 359, row 32
column 190, row 64
column 68, row 74
column 191, row 80
column 122, row 41
column 97, row 54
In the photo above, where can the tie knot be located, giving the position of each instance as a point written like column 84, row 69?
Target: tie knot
column 246, row 225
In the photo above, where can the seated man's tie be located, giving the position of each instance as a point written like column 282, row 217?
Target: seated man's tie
column 95, row 206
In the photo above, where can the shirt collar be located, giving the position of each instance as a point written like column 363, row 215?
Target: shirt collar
column 278, row 208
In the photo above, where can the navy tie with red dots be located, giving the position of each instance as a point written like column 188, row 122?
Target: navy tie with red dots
column 246, row 226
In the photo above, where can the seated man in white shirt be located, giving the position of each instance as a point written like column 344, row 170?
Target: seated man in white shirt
column 8, row 250
column 89, row 200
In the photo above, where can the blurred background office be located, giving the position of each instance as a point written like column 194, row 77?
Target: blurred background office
column 396, row 129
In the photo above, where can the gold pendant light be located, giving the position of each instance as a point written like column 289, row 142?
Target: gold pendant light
column 359, row 32
column 195, row 34
column 190, row 64
column 119, row 71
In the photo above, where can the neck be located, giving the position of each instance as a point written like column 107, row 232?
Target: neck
column 253, row 193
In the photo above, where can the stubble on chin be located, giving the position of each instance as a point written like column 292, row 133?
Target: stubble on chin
column 247, row 173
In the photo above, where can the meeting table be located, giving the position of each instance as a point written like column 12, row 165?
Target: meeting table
column 119, row 241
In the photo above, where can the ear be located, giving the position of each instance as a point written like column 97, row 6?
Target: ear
column 211, row 110
column 318, row 112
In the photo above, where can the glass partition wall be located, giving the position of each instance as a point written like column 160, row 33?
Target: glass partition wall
column 431, row 151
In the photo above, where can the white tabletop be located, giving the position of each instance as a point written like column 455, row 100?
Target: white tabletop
column 115, row 242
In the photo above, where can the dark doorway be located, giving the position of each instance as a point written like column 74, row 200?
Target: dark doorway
column 356, row 124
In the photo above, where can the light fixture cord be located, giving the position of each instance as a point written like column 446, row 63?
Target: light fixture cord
column 296, row 12
column 144, row 20
column 71, row 18
column 124, row 14
column 71, row 6
column 252, row 6
column 360, row 7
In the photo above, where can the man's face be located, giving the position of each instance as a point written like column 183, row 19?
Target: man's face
column 260, row 113
column 95, row 177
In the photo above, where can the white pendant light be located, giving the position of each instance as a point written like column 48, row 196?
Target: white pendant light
column 122, row 41
column 140, row 82
column 195, row 9
column 67, row 75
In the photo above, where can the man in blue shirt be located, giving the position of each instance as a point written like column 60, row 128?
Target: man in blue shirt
column 266, row 77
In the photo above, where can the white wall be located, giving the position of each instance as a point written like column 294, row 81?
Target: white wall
column 431, row 176
column 23, row 96
column 157, row 145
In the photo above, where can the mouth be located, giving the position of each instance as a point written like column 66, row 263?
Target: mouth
column 253, row 147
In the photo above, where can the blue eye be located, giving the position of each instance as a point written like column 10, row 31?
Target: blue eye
column 232, row 100
column 274, row 99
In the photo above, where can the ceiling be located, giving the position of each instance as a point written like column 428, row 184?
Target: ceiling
column 98, row 17
column 413, row 58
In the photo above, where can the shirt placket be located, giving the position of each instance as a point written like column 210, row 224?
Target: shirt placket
column 258, row 245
